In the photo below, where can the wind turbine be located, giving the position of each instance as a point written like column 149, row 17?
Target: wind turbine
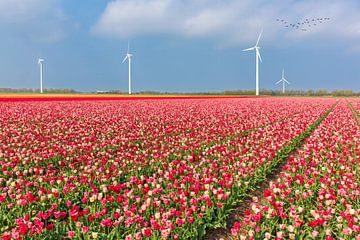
column 283, row 80
column 258, row 57
column 128, row 57
column 40, row 62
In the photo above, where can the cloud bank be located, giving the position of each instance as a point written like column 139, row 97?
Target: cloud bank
column 229, row 21
column 38, row 20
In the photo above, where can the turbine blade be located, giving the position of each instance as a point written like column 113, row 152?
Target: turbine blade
column 248, row 49
column 283, row 72
column 258, row 54
column 257, row 42
column 278, row 82
column 286, row 81
column 125, row 58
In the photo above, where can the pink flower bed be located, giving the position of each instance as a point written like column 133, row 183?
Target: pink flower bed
column 137, row 169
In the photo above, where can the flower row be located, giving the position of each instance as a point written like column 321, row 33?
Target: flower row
column 317, row 193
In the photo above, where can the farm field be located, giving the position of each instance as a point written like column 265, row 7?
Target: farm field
column 175, row 168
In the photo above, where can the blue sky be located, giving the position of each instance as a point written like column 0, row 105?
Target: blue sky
column 178, row 45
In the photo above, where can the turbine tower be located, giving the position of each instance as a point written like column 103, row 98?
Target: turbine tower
column 258, row 57
column 128, row 57
column 40, row 62
column 283, row 80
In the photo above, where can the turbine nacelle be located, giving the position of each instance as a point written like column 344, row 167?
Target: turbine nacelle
column 286, row 81
column 41, row 60
column 282, row 80
column 127, row 56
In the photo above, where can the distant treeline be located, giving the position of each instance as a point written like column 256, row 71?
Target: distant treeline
column 28, row 90
column 335, row 93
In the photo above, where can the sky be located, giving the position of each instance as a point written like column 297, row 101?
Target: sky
column 178, row 45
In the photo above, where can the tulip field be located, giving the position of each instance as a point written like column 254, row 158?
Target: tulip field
column 176, row 168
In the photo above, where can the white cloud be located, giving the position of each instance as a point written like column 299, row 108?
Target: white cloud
column 230, row 21
column 126, row 18
column 39, row 20
column 16, row 11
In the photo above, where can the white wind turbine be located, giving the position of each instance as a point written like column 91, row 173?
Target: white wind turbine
column 258, row 57
column 40, row 62
column 283, row 80
column 128, row 57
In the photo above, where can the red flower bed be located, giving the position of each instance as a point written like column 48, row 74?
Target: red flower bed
column 137, row 169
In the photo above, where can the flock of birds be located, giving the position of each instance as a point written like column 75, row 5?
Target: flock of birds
column 305, row 25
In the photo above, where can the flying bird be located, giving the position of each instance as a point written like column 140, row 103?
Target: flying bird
column 301, row 24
